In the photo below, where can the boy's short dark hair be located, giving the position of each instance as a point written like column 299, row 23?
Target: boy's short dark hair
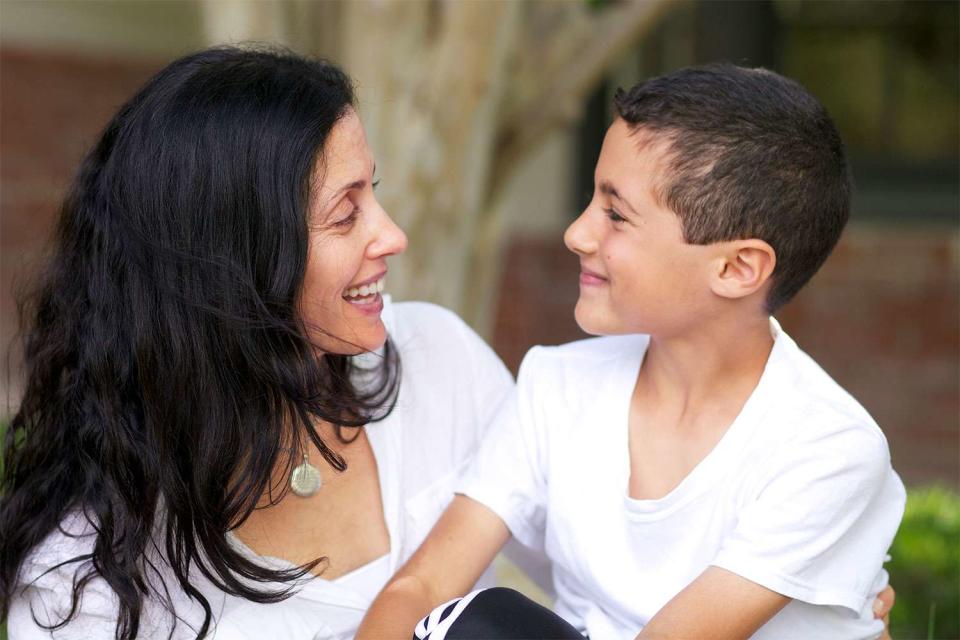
column 752, row 155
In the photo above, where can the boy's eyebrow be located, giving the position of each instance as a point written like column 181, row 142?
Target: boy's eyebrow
column 607, row 188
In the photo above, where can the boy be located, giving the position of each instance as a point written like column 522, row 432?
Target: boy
column 693, row 473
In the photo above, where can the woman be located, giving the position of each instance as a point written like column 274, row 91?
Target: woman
column 188, row 451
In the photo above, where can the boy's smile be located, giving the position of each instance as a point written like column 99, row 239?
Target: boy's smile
column 590, row 278
column 637, row 274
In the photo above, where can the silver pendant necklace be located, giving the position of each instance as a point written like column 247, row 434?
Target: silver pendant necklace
column 305, row 478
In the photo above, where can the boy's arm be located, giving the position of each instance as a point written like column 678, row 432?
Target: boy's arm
column 817, row 532
column 718, row 604
column 721, row 604
column 460, row 547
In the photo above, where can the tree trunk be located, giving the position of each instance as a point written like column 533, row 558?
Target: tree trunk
column 453, row 93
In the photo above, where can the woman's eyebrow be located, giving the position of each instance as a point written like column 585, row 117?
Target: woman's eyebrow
column 356, row 184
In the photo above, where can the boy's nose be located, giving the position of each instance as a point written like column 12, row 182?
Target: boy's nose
column 577, row 237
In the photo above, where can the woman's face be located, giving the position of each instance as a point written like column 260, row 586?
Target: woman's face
column 350, row 238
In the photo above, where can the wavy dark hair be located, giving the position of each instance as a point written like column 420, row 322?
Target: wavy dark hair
column 168, row 371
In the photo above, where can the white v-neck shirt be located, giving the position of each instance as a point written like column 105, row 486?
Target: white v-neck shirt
column 451, row 387
column 798, row 495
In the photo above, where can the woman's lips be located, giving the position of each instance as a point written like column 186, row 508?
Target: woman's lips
column 371, row 304
column 365, row 296
column 366, row 289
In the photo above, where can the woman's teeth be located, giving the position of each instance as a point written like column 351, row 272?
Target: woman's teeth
column 366, row 293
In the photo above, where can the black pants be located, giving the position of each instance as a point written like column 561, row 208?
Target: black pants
column 498, row 613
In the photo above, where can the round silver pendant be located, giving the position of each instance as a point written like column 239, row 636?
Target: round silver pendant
column 305, row 480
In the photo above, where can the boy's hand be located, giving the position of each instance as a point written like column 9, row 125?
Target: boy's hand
column 881, row 609
column 460, row 547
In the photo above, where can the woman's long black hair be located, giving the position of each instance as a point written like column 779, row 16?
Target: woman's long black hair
column 165, row 358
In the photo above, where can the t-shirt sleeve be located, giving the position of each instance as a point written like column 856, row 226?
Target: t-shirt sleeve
column 507, row 474
column 822, row 520
column 44, row 596
column 45, row 600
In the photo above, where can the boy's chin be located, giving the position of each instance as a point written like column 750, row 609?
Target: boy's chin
column 591, row 321
column 602, row 322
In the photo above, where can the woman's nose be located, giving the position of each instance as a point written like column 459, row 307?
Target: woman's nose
column 390, row 239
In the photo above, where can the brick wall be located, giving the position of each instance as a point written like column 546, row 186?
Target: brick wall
column 53, row 108
column 881, row 317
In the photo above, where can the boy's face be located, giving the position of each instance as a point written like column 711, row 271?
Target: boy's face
column 637, row 275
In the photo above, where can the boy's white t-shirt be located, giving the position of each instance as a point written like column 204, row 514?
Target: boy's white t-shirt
column 798, row 496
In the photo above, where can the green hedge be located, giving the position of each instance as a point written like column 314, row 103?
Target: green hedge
column 925, row 567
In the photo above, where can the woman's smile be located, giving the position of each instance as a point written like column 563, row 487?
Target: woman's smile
column 365, row 295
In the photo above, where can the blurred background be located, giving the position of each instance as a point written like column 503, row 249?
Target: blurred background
column 486, row 118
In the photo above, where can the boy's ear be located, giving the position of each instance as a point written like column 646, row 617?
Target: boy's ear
column 742, row 268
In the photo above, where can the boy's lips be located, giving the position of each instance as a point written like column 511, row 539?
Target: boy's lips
column 591, row 278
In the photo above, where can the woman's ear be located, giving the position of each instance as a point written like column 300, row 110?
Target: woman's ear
column 743, row 268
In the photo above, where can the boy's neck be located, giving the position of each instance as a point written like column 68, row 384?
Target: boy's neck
column 720, row 362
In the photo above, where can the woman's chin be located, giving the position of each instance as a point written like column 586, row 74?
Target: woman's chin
column 375, row 342
column 369, row 339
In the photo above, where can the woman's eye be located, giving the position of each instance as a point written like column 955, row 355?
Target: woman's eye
column 349, row 220
column 614, row 216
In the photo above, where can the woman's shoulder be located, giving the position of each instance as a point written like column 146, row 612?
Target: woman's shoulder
column 409, row 317
column 48, row 576
column 441, row 356
column 427, row 330
column 74, row 537
column 45, row 583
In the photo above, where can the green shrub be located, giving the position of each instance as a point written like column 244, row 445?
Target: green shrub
column 925, row 569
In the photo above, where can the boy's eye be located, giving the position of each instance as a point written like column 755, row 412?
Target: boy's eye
column 614, row 216
column 375, row 184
